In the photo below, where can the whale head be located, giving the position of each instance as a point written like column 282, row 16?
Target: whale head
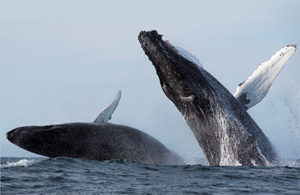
column 35, row 139
column 52, row 140
column 182, row 80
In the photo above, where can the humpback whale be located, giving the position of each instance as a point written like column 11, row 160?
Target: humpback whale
column 99, row 140
column 224, row 130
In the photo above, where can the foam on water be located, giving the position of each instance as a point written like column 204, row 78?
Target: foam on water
column 290, row 163
column 19, row 163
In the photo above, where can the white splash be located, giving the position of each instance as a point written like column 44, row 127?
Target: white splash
column 289, row 163
column 259, row 83
column 20, row 163
column 227, row 155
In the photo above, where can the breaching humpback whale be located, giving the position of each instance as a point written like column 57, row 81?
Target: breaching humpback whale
column 99, row 140
column 225, row 131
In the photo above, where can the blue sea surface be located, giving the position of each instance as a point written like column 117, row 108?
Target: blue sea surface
column 79, row 176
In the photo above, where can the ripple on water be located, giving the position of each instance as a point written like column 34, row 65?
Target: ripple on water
column 67, row 175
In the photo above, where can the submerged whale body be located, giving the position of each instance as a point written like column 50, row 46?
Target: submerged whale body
column 95, row 141
column 223, row 128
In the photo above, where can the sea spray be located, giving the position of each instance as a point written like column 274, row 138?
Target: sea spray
column 19, row 163
column 226, row 146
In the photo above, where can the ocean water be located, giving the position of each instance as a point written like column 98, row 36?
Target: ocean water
column 79, row 176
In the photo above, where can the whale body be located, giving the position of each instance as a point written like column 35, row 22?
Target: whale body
column 93, row 141
column 99, row 140
column 223, row 128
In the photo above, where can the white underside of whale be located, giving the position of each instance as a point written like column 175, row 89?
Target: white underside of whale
column 107, row 112
column 255, row 88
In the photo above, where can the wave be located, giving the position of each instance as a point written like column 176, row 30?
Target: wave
column 289, row 163
column 75, row 163
column 19, row 163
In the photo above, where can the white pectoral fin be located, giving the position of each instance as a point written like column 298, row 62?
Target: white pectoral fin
column 106, row 114
column 255, row 88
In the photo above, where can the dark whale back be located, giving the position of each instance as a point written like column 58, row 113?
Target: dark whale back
column 224, row 130
column 93, row 141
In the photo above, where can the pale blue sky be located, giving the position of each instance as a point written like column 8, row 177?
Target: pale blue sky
column 63, row 61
